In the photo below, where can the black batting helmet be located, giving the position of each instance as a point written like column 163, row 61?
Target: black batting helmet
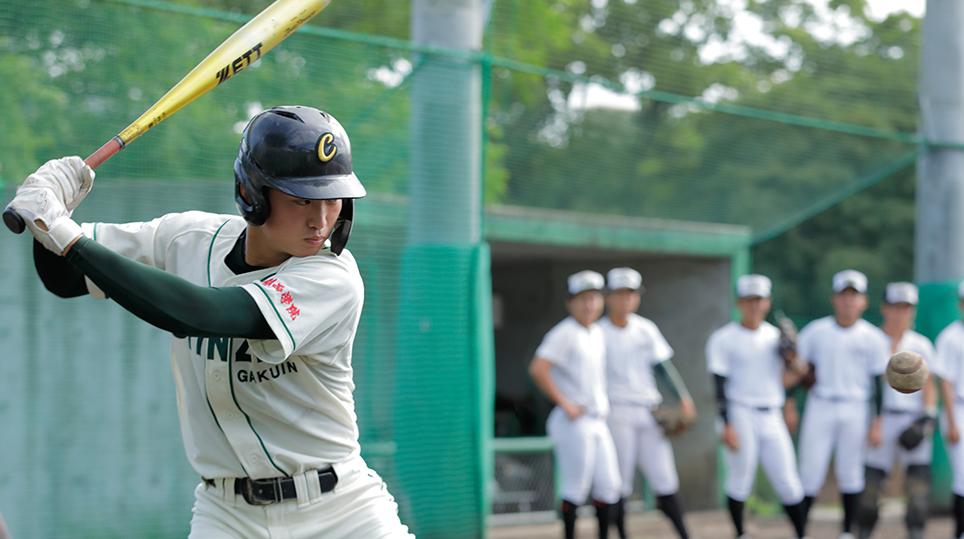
column 303, row 152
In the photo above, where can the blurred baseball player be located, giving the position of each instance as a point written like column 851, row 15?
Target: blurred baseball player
column 948, row 366
column 569, row 367
column 894, row 433
column 751, row 372
column 847, row 355
column 636, row 352
column 263, row 310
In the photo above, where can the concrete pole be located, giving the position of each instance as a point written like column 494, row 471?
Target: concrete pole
column 940, row 171
column 444, row 394
column 939, row 259
column 445, row 190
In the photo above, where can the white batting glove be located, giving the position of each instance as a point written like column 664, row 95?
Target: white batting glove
column 47, row 218
column 68, row 177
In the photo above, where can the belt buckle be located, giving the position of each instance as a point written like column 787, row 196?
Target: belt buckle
column 247, row 491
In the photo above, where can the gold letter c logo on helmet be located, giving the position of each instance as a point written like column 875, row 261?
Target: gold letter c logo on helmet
column 327, row 148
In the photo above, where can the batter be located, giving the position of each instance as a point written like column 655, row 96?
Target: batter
column 263, row 310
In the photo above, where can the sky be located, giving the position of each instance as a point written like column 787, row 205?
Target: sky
column 879, row 9
column 748, row 31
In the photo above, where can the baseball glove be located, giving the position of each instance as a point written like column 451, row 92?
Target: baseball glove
column 672, row 420
column 787, row 348
column 914, row 434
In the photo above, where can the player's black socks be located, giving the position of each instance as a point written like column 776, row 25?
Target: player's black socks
column 850, row 502
column 669, row 505
column 736, row 514
column 798, row 518
column 603, row 511
column 569, row 519
column 958, row 515
column 618, row 516
column 807, row 504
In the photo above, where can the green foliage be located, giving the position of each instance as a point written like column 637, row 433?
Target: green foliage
column 679, row 159
column 82, row 74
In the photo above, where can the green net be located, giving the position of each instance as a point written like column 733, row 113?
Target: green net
column 602, row 109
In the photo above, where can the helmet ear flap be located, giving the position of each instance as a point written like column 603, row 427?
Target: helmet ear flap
column 342, row 229
column 251, row 201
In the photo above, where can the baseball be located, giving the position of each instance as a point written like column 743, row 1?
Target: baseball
column 906, row 372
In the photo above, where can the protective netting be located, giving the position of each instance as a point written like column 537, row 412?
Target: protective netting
column 602, row 108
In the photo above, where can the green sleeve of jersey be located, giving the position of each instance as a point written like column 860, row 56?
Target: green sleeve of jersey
column 671, row 377
column 719, row 384
column 878, row 393
column 57, row 275
column 167, row 301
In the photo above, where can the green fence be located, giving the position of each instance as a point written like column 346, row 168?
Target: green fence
column 608, row 108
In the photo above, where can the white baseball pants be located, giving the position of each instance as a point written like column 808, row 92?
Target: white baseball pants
column 359, row 506
column 641, row 444
column 956, row 451
column 837, row 428
column 763, row 438
column 585, row 457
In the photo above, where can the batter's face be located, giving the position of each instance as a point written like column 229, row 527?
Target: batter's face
column 848, row 306
column 898, row 314
column 753, row 310
column 586, row 307
column 622, row 302
column 297, row 226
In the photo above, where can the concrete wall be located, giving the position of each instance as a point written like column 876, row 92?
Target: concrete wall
column 687, row 297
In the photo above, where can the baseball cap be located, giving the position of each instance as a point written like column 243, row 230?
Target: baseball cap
column 618, row 278
column 753, row 286
column 900, row 293
column 583, row 281
column 849, row 279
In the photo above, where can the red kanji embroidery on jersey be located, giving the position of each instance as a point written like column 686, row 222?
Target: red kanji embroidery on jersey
column 286, row 298
column 269, row 282
column 293, row 312
column 278, row 286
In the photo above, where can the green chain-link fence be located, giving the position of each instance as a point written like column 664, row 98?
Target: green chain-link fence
column 605, row 108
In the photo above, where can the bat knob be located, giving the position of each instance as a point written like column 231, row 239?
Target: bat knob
column 13, row 221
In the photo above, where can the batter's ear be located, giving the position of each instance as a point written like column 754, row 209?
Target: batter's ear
column 244, row 193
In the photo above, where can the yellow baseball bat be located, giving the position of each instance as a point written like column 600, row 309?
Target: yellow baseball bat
column 249, row 43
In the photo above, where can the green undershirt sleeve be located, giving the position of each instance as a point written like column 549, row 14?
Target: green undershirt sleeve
column 719, row 384
column 671, row 377
column 167, row 301
column 57, row 275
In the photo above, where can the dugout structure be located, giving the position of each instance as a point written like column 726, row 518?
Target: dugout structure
column 676, row 175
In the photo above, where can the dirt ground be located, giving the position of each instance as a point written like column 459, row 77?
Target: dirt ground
column 824, row 524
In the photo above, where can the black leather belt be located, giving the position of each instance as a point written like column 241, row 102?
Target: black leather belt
column 764, row 408
column 276, row 489
column 898, row 411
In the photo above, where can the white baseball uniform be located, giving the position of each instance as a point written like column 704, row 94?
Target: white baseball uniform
column 631, row 353
column 949, row 365
column 899, row 411
column 267, row 408
column 583, row 447
column 753, row 369
column 836, row 416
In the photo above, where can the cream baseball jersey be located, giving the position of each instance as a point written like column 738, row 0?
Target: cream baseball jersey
column 949, row 363
column 578, row 356
column 257, row 408
column 748, row 359
column 631, row 353
column 909, row 402
column 846, row 358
